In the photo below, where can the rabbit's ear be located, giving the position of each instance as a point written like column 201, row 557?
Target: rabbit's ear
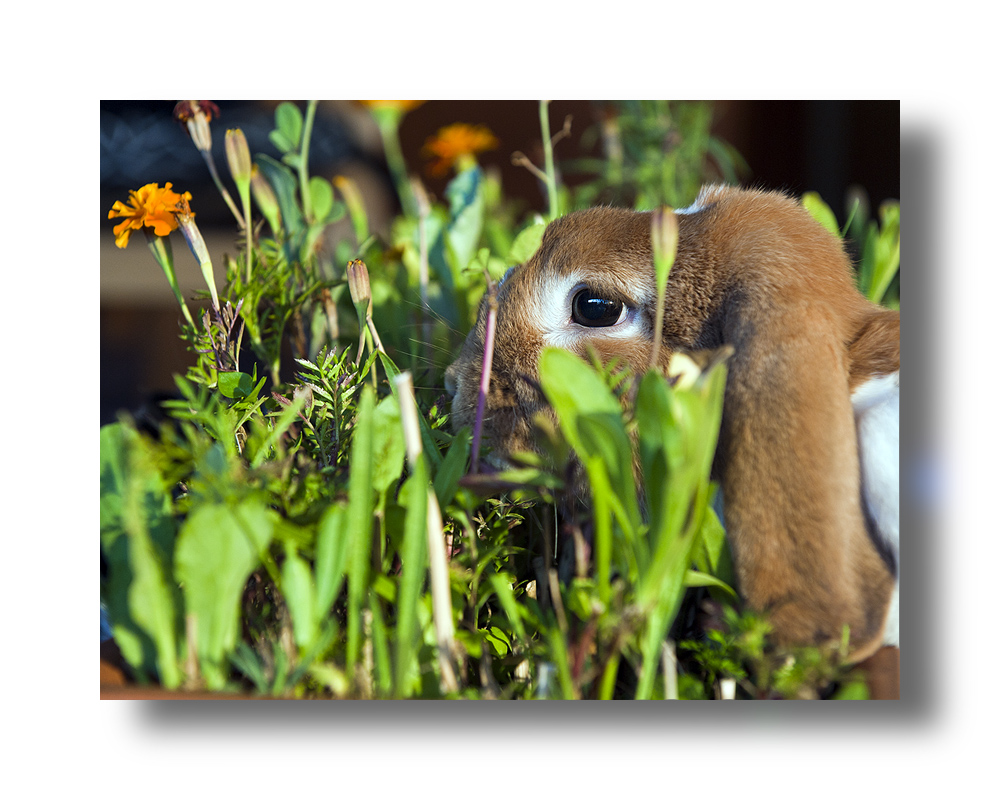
column 788, row 461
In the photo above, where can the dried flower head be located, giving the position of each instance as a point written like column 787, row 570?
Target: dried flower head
column 195, row 115
column 457, row 143
column 151, row 207
column 187, row 109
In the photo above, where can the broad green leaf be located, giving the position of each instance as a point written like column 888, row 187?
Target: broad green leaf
column 300, row 594
column 360, row 510
column 390, row 448
column 526, row 243
column 321, row 195
column 137, row 539
column 286, row 186
column 821, row 212
column 235, row 385
column 886, row 253
column 465, row 225
column 591, row 419
column 279, row 425
column 505, row 595
column 695, row 578
column 219, row 545
column 332, row 550
column 452, row 467
column 288, row 127
column 426, row 436
column 413, row 573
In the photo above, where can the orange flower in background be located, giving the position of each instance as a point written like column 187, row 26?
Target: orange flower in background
column 458, row 142
column 150, row 207
column 399, row 105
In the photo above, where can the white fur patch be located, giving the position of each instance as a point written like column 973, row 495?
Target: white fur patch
column 694, row 208
column 876, row 414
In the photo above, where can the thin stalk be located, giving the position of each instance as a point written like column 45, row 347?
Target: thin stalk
column 664, row 236
column 159, row 246
column 307, row 127
column 669, row 670
column 550, row 170
column 207, row 155
column 388, row 125
column 423, row 211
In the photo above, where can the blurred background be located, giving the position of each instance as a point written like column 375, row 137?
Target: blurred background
column 825, row 146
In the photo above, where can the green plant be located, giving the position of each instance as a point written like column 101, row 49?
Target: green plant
column 654, row 153
column 877, row 243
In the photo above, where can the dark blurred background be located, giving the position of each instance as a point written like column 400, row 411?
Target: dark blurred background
column 797, row 146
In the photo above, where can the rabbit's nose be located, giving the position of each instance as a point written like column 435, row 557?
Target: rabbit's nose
column 450, row 381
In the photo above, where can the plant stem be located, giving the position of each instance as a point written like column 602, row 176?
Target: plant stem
column 388, row 125
column 307, row 127
column 550, row 171
column 162, row 252
column 207, row 155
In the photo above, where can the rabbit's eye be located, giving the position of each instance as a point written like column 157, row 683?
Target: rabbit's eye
column 593, row 311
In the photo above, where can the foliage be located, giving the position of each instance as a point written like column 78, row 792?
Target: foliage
column 877, row 242
column 654, row 153
column 311, row 530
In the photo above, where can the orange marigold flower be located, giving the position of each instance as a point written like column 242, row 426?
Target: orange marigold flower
column 150, row 207
column 400, row 105
column 457, row 143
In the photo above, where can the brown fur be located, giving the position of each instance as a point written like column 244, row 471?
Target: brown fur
column 756, row 272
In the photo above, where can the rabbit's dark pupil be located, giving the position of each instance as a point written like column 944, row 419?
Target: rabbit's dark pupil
column 593, row 311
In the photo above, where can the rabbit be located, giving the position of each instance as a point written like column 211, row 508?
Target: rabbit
column 808, row 452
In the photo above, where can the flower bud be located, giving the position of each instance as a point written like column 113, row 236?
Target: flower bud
column 265, row 198
column 185, row 219
column 238, row 156
column 360, row 286
column 664, row 235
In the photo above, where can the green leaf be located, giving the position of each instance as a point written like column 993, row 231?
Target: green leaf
column 300, row 594
column 886, row 246
column 591, row 419
column 218, row 547
column 505, row 595
column 821, row 212
column 278, row 428
column 452, row 468
column 413, row 573
column 695, row 578
column 426, row 435
column 137, row 539
column 390, row 448
column 285, row 185
column 332, row 549
column 526, row 243
column 321, row 195
column 465, row 196
column 235, row 385
column 360, row 511
column 288, row 127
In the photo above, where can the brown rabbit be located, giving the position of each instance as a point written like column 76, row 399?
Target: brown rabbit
column 808, row 456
